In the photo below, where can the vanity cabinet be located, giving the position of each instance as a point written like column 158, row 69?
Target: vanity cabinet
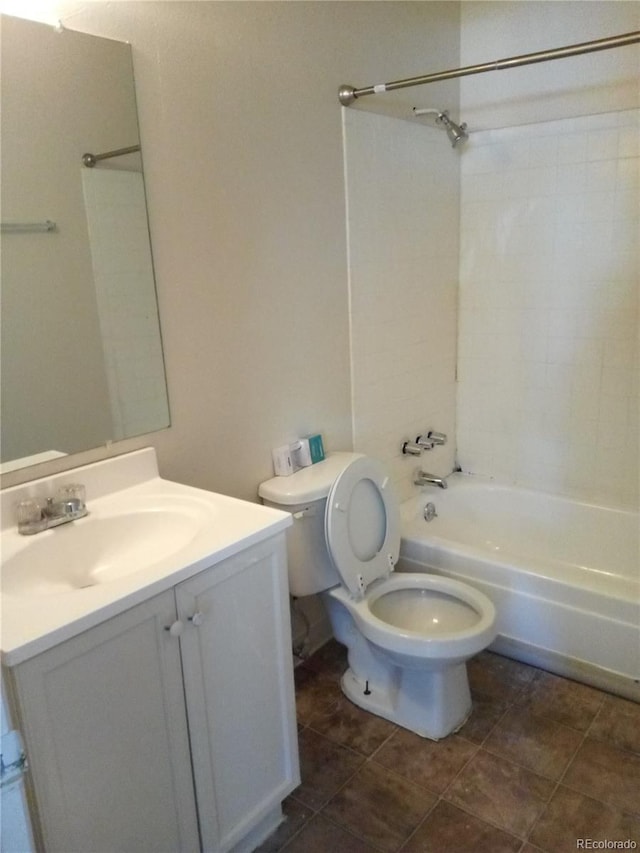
column 170, row 727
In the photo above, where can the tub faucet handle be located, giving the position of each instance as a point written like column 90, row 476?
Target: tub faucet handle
column 425, row 442
column 437, row 437
column 410, row 448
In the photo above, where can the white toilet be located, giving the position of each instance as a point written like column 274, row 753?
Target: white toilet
column 408, row 635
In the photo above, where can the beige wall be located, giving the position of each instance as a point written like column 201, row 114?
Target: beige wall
column 241, row 131
column 596, row 82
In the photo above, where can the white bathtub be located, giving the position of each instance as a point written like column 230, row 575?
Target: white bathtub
column 564, row 575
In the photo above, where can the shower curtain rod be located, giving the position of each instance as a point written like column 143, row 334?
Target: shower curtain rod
column 90, row 160
column 348, row 94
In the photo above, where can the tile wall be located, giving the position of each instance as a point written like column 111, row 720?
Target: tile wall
column 402, row 212
column 549, row 306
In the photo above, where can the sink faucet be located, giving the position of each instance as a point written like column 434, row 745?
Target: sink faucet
column 423, row 479
column 34, row 516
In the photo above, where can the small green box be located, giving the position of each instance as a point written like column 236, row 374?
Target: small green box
column 316, row 448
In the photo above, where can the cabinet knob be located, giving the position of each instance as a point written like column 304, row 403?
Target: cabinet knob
column 176, row 629
column 197, row 619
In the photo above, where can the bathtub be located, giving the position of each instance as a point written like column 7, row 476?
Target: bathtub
column 564, row 575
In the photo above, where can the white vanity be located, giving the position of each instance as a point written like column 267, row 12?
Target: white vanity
column 146, row 657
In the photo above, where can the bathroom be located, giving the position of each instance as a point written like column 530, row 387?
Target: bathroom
column 245, row 180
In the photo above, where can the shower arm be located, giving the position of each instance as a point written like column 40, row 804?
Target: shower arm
column 348, row 94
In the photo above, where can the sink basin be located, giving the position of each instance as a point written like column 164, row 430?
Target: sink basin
column 143, row 536
column 97, row 550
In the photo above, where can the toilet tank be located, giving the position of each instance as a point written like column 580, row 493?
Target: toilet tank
column 304, row 495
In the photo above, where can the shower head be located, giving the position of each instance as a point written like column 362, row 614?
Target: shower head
column 455, row 132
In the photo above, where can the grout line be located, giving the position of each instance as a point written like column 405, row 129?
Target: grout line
column 556, row 787
column 426, row 817
column 514, row 702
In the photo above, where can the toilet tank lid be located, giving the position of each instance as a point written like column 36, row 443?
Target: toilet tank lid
column 307, row 484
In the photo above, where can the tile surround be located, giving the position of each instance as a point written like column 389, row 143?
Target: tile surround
column 402, row 209
column 548, row 307
column 547, row 314
column 515, row 779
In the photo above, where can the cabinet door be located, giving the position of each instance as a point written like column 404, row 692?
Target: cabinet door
column 104, row 722
column 239, row 690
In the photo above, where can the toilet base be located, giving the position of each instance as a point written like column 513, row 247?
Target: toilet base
column 431, row 704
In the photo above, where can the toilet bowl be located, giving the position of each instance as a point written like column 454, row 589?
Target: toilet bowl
column 408, row 635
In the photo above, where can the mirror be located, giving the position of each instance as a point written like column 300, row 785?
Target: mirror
column 82, row 360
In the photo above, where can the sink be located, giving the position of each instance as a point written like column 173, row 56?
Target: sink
column 143, row 536
column 97, row 550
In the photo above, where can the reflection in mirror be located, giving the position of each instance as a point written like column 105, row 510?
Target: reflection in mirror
column 81, row 349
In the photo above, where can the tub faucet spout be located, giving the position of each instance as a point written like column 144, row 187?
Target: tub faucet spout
column 423, row 479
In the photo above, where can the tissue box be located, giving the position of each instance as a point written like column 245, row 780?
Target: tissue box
column 282, row 461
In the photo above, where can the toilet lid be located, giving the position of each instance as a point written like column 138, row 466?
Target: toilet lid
column 362, row 524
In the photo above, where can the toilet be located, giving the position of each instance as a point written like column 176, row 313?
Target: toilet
column 408, row 635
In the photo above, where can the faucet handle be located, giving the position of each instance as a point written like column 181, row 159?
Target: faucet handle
column 28, row 511
column 30, row 517
column 437, row 437
column 411, row 449
column 433, row 437
column 72, row 492
column 425, row 441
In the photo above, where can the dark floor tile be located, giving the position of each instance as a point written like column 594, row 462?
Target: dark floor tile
column 432, row 764
column 530, row 724
column 541, row 745
column 501, row 792
column 485, row 713
column 380, row 807
column 322, row 836
column 570, row 816
column 498, row 677
column 315, row 691
column 330, row 659
column 618, row 722
column 324, row 767
column 448, row 829
column 296, row 814
column 606, row 773
column 347, row 724
column 567, row 702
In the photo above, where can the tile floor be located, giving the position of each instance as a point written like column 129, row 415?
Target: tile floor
column 541, row 763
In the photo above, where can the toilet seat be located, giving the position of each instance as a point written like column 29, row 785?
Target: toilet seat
column 362, row 525
column 423, row 644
